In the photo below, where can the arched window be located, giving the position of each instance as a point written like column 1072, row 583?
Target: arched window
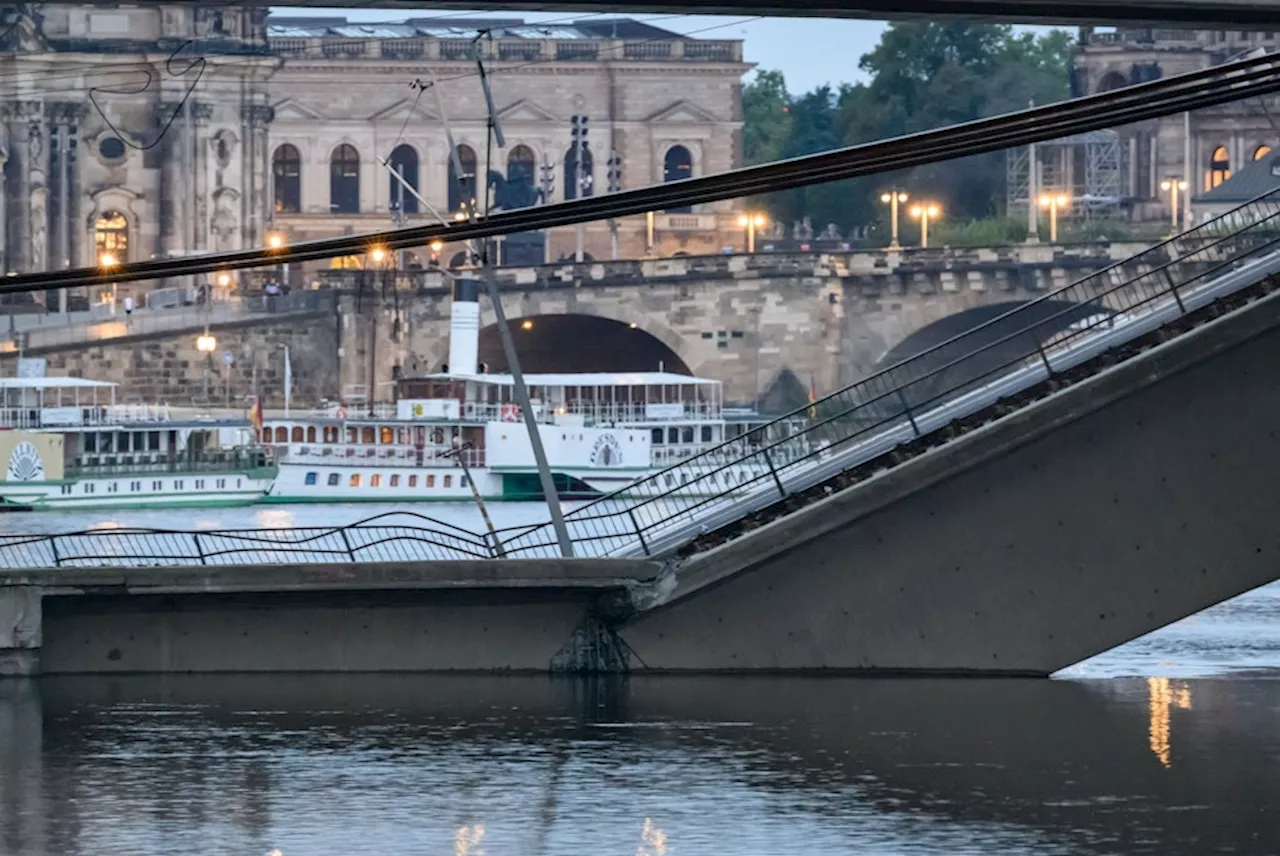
column 1219, row 167
column 571, row 172
column 404, row 160
column 458, row 260
column 522, row 168
column 677, row 166
column 311, row 433
column 344, row 180
column 282, row 434
column 462, row 191
column 297, row 434
column 1261, row 152
column 111, row 238
column 286, row 179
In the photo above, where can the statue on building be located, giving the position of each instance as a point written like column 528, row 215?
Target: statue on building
column 23, row 29
column 511, row 195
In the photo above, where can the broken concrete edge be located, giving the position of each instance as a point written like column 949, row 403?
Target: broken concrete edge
column 996, row 438
column 564, row 574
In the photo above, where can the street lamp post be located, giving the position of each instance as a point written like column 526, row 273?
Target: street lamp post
column 377, row 255
column 924, row 213
column 1173, row 186
column 207, row 344
column 751, row 222
column 1054, row 202
column 892, row 199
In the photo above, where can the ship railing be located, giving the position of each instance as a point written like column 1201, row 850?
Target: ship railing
column 607, row 412
column 82, row 414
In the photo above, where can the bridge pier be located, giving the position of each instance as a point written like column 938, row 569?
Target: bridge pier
column 21, row 626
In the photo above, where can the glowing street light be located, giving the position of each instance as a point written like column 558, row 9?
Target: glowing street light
column 437, row 246
column 224, row 280
column 377, row 254
column 1054, row 202
column 1173, row 186
column 107, row 260
column 893, row 198
column 751, row 221
column 275, row 240
column 924, row 213
column 206, row 344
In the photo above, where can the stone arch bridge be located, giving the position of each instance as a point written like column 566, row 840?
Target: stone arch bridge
column 766, row 326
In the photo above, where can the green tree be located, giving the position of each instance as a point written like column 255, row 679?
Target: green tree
column 922, row 76
column 766, row 118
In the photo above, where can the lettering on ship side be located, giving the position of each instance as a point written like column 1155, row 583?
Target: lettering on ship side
column 607, row 452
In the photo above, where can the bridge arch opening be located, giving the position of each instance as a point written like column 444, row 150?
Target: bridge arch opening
column 990, row 354
column 579, row 343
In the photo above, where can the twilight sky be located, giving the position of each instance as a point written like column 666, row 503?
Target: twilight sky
column 809, row 52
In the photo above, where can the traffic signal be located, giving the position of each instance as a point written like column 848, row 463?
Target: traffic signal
column 615, row 172
column 579, row 129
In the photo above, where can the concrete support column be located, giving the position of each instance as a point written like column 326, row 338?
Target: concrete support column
column 20, row 630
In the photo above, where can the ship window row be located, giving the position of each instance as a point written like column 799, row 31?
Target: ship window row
column 679, row 435
column 122, row 441
column 394, row 480
column 368, row 435
column 137, row 486
column 729, row 477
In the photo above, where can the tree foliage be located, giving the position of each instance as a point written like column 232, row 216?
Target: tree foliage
column 922, row 76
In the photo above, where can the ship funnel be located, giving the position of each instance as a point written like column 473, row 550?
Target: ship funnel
column 464, row 327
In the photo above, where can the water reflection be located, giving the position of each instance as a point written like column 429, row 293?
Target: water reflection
column 319, row 765
column 1164, row 695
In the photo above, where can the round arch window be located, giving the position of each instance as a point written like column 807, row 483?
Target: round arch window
column 112, row 148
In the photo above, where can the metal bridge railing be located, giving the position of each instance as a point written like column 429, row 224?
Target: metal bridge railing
column 928, row 391
column 950, row 381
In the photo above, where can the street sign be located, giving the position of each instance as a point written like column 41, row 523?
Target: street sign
column 227, row 359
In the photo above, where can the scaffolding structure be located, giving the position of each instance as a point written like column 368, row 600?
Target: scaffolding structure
column 1089, row 167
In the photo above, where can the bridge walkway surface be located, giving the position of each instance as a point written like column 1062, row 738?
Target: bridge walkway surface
column 1012, row 500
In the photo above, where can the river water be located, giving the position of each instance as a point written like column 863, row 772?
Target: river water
column 1168, row 745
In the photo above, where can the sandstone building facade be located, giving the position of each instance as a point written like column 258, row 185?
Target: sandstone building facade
column 155, row 130
column 1222, row 139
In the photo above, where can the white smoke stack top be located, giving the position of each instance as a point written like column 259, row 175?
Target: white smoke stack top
column 464, row 327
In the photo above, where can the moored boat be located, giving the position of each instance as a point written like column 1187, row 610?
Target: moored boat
column 66, row 443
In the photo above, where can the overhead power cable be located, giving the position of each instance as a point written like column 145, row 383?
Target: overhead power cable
column 1247, row 78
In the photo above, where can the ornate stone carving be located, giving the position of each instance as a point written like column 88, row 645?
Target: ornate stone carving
column 39, row 228
column 35, row 140
column 64, row 112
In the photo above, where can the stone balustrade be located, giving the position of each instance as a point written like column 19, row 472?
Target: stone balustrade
column 427, row 49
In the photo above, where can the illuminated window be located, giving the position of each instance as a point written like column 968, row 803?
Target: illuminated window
column 354, row 481
column 1261, row 152
column 367, row 435
column 1219, row 167
column 375, row 480
column 111, row 237
column 387, row 436
column 431, row 481
column 413, row 481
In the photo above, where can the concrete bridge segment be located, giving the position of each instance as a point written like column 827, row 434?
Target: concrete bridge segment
column 1103, row 512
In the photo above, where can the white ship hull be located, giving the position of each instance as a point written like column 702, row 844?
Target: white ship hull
column 137, row 491
column 310, row 482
